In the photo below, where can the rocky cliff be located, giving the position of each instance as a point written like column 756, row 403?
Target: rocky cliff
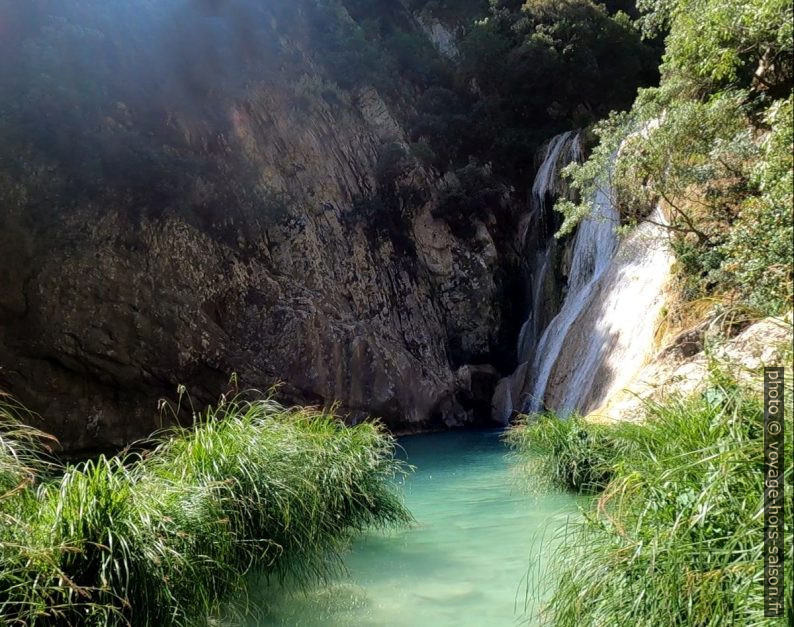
column 680, row 366
column 299, row 241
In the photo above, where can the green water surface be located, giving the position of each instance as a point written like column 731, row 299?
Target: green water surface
column 466, row 560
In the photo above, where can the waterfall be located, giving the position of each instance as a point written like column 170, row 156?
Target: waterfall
column 617, row 332
column 547, row 172
column 594, row 245
column 538, row 237
column 602, row 333
column 529, row 330
column 547, row 180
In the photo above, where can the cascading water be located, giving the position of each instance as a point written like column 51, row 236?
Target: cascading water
column 615, row 333
column 540, row 249
column 538, row 237
column 529, row 330
column 603, row 331
column 593, row 249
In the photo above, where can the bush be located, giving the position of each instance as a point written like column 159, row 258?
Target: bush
column 713, row 146
column 544, row 66
column 163, row 537
column 677, row 535
column 760, row 246
column 567, row 453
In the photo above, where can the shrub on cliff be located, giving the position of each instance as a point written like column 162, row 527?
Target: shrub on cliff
column 713, row 144
column 542, row 66
column 163, row 537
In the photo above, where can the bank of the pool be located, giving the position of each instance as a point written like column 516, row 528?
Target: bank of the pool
column 675, row 534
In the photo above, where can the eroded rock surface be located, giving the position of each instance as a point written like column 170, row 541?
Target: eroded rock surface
column 297, row 253
column 678, row 371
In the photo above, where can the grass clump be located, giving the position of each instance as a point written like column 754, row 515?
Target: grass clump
column 163, row 537
column 676, row 536
column 571, row 453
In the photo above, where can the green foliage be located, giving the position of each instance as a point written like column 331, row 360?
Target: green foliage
column 676, row 537
column 543, row 65
column 22, row 450
column 595, row 174
column 713, row 145
column 416, row 57
column 472, row 192
column 162, row 538
column 758, row 251
column 443, row 119
column 564, row 453
column 524, row 72
column 713, row 45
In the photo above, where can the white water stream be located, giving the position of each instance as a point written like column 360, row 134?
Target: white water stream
column 541, row 245
column 604, row 330
column 593, row 249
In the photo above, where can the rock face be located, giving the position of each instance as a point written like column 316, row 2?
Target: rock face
column 682, row 367
column 442, row 37
column 304, row 250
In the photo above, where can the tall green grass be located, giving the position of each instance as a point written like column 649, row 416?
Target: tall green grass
column 22, row 449
column 163, row 537
column 676, row 535
column 570, row 454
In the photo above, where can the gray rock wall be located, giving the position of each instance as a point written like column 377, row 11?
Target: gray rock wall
column 279, row 261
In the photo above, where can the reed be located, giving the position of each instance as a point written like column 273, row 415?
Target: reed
column 676, row 535
column 164, row 537
column 568, row 453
